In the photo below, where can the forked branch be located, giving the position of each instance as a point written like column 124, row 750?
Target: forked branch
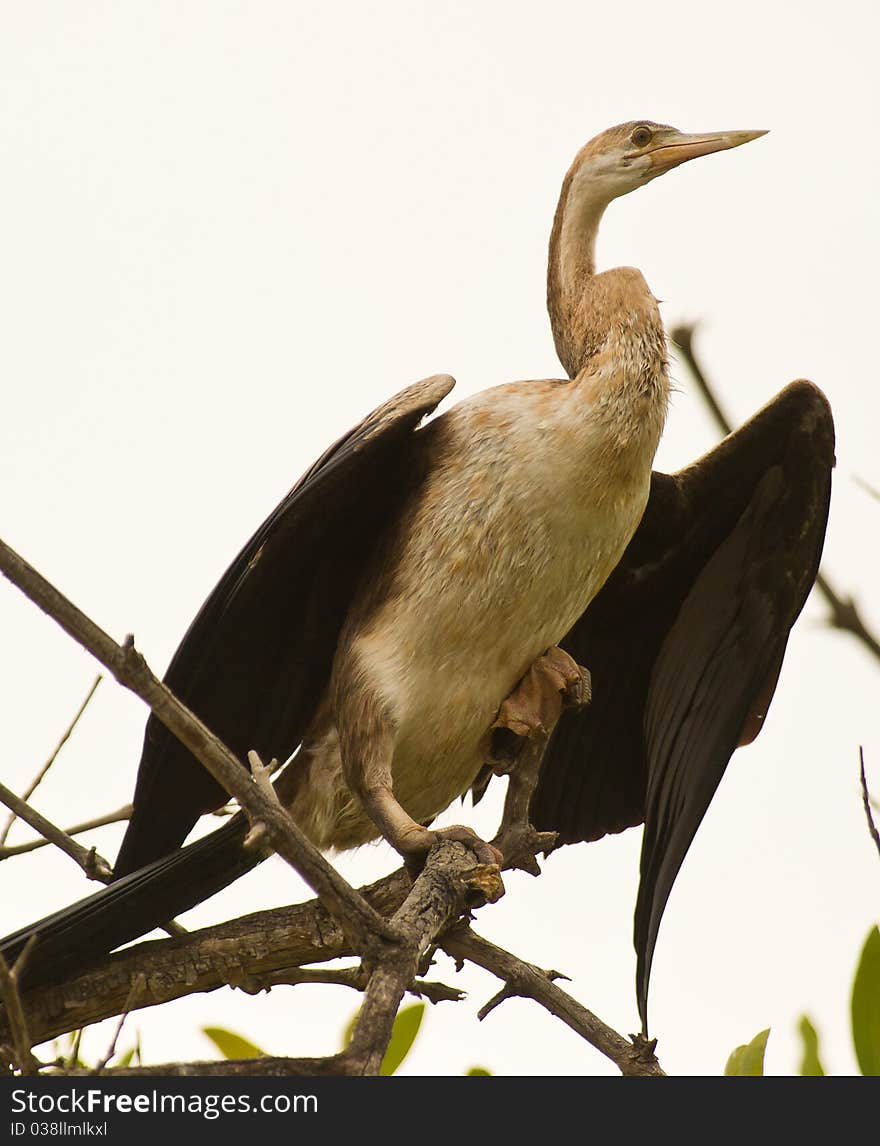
column 391, row 950
column 131, row 670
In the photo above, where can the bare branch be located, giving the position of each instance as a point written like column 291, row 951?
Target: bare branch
column 869, row 489
column 427, row 907
column 844, row 612
column 521, row 978
column 137, row 986
column 65, row 736
column 131, row 670
column 866, row 801
column 21, row 1040
column 391, row 953
column 241, row 1068
column 116, row 817
column 354, row 977
column 449, row 885
column 239, row 953
column 73, row 1057
column 94, row 865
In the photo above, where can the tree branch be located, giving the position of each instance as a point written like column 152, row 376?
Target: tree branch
column 866, row 801
column 94, row 865
column 449, row 885
column 391, row 953
column 354, row 977
column 528, row 981
column 136, row 988
column 239, row 953
column 131, row 670
column 18, row 1028
column 65, row 736
column 869, row 489
column 121, row 814
column 264, row 1067
column 267, row 948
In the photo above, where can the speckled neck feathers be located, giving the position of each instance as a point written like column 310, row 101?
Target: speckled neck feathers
column 590, row 313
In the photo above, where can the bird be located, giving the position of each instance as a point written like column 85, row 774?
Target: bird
column 370, row 630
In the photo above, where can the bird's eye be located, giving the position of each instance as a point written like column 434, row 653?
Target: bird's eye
column 642, row 135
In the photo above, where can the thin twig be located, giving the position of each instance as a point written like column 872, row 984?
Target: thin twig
column 844, row 612
column 73, row 1059
column 116, row 817
column 521, row 978
column 131, row 670
column 869, row 489
column 866, row 800
column 15, row 1017
column 94, row 865
column 32, row 787
column 353, row 977
column 136, row 988
column 512, row 990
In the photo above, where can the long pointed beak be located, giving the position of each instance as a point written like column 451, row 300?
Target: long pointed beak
column 671, row 152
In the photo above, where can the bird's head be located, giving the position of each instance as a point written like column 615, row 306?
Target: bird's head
column 632, row 154
column 616, row 162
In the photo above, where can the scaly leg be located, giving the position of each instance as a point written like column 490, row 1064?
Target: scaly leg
column 519, row 736
column 367, row 751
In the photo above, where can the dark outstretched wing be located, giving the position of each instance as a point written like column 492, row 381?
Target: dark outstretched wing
column 685, row 643
column 256, row 659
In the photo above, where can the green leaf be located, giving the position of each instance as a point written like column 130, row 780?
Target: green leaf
column 811, row 1064
column 749, row 1059
column 866, row 1006
column 403, row 1035
column 231, row 1045
column 126, row 1058
column 479, row 1070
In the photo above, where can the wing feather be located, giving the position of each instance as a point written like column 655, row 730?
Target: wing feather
column 685, row 642
column 256, row 659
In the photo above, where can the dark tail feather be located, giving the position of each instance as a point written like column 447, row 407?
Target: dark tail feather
column 72, row 938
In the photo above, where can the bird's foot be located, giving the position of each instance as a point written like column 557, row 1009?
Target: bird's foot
column 484, row 852
column 413, row 840
column 519, row 736
column 554, row 681
column 415, row 845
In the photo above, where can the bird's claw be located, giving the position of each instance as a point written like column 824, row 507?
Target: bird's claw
column 554, row 681
column 417, row 847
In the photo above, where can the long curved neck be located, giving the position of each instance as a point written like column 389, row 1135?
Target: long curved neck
column 571, row 267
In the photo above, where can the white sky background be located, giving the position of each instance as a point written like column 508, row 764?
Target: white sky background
column 229, row 230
